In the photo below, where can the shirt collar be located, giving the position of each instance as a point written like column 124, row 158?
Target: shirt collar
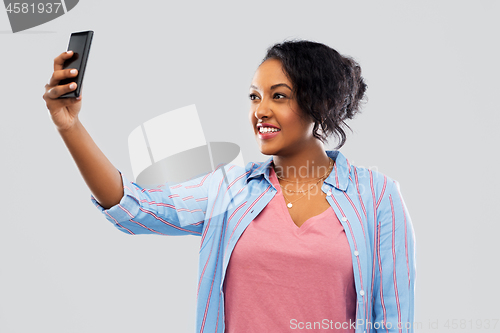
column 338, row 178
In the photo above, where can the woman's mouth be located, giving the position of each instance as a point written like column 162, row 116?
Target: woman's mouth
column 268, row 132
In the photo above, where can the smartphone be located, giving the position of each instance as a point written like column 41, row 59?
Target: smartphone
column 79, row 43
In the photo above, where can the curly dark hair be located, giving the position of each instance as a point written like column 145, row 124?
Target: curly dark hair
column 327, row 86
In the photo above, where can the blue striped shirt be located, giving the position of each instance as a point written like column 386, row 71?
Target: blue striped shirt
column 219, row 206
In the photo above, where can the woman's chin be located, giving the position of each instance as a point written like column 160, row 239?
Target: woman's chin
column 269, row 148
column 266, row 153
column 266, row 150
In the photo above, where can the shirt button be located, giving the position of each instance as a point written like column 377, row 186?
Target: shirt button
column 356, row 253
column 344, row 218
column 329, row 193
column 361, row 292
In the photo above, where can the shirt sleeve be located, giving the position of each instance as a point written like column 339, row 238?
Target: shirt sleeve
column 394, row 278
column 166, row 210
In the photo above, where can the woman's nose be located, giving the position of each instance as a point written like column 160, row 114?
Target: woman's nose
column 263, row 110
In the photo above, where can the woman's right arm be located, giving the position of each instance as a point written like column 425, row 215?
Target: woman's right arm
column 102, row 178
column 167, row 210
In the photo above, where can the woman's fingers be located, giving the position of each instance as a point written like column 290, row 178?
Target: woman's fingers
column 54, row 92
column 60, row 59
column 62, row 74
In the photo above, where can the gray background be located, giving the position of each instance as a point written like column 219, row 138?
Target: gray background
column 431, row 123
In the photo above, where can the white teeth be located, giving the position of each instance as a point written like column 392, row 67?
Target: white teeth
column 268, row 129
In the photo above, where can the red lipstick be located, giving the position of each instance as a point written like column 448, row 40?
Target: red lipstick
column 267, row 135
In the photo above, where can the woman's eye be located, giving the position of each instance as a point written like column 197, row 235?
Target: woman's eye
column 279, row 96
column 252, row 96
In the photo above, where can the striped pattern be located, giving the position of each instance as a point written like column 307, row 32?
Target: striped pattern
column 220, row 205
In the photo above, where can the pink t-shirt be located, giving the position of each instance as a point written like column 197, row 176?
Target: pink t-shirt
column 282, row 278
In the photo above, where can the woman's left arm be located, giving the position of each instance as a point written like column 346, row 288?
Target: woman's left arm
column 394, row 278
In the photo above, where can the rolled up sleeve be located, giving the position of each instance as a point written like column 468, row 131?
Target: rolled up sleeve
column 165, row 210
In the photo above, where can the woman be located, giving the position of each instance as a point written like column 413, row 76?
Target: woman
column 302, row 241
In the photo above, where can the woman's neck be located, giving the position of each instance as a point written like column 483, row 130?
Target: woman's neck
column 307, row 164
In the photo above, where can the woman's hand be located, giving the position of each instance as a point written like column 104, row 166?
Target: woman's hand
column 64, row 111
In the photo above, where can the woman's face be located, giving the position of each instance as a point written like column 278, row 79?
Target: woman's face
column 285, row 130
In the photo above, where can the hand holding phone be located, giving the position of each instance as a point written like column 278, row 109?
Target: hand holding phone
column 63, row 96
column 79, row 43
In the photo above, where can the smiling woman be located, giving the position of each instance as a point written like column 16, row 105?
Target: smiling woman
column 304, row 237
column 273, row 103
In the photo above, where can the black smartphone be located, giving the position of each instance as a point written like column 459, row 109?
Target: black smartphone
column 79, row 43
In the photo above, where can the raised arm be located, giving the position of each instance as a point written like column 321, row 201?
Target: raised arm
column 102, row 178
